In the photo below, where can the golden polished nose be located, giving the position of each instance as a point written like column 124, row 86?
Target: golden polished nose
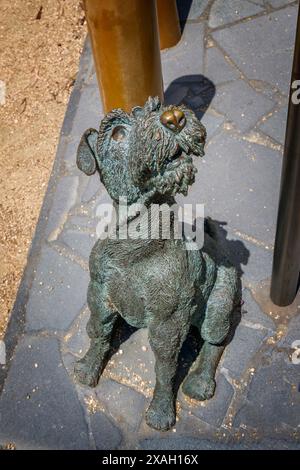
column 173, row 119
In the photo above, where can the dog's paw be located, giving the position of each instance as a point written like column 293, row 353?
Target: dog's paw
column 199, row 386
column 161, row 414
column 86, row 372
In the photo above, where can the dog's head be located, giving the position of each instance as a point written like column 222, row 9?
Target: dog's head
column 147, row 152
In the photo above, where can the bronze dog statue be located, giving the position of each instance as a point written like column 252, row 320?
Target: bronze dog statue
column 147, row 157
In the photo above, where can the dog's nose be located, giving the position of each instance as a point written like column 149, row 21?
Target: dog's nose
column 173, row 119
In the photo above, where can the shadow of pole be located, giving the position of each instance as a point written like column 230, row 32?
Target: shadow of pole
column 195, row 91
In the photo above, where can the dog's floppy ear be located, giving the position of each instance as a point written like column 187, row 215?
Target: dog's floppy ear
column 87, row 152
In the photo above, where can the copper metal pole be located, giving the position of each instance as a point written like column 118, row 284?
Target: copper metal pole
column 125, row 43
column 168, row 23
column 286, row 262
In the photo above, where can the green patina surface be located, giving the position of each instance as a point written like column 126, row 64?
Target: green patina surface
column 147, row 157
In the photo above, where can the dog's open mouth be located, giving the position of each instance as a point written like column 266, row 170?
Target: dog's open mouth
column 176, row 173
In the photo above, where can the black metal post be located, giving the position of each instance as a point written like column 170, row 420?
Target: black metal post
column 286, row 261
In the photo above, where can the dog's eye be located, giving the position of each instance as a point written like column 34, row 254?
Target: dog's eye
column 119, row 133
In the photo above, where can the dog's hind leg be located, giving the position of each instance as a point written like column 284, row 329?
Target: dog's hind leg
column 99, row 328
column 166, row 337
column 200, row 383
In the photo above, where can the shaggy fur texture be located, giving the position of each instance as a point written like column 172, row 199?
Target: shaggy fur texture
column 155, row 283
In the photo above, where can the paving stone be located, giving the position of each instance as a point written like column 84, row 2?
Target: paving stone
column 273, row 399
column 79, row 242
column 200, row 94
column 39, row 408
column 222, row 13
column 83, row 222
column 258, row 2
column 195, row 91
column 263, row 47
column 64, row 199
column 180, row 61
column 211, row 411
column 279, row 3
column 195, row 102
column 238, row 354
column 106, row 435
column 293, row 333
column 89, row 110
column 241, row 104
column 275, row 125
column 189, row 425
column 69, row 363
column 238, row 182
column 133, row 363
column 67, row 149
column 212, row 124
column 180, row 443
column 251, row 314
column 124, row 404
column 191, row 10
column 76, row 340
column 217, row 69
column 190, row 443
column 253, row 261
column 93, row 186
column 57, row 294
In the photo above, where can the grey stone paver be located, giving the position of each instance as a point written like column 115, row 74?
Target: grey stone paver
column 262, row 48
column 241, row 104
column 106, row 435
column 236, row 79
column 76, row 340
column 280, row 3
column 273, row 399
column 238, row 353
column 253, row 316
column 293, row 332
column 125, row 405
column 92, row 188
column 184, row 62
column 250, row 181
column 217, row 68
column 134, row 364
column 39, row 408
column 63, row 200
column 53, row 302
column 275, row 125
column 212, row 123
column 79, row 242
column 230, row 11
column 212, row 411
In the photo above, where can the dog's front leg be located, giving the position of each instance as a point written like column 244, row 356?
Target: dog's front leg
column 99, row 328
column 166, row 338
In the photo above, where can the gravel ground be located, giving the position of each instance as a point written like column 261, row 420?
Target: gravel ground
column 41, row 42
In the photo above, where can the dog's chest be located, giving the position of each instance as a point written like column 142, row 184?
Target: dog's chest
column 149, row 286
